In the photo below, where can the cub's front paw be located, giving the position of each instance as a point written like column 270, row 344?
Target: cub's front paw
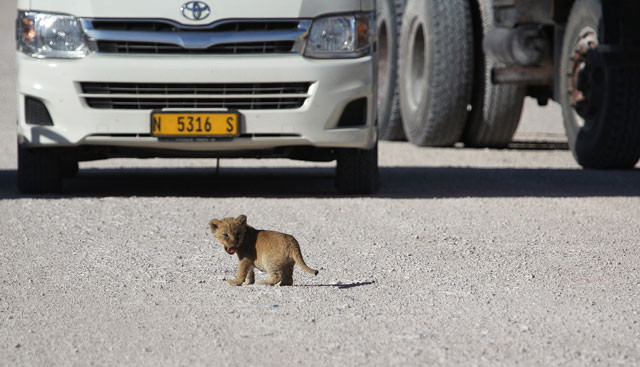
column 233, row 283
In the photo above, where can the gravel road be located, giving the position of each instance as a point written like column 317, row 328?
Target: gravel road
column 466, row 257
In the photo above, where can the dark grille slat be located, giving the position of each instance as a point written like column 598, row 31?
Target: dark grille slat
column 203, row 102
column 158, row 48
column 165, row 26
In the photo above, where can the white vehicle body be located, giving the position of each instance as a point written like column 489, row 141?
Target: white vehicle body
column 306, row 115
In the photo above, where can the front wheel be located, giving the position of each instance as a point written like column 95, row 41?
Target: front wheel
column 599, row 94
column 39, row 171
column 69, row 168
column 357, row 171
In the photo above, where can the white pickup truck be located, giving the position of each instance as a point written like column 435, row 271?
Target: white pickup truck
column 187, row 79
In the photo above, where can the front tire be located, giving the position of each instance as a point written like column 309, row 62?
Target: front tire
column 357, row 171
column 436, row 70
column 69, row 168
column 599, row 95
column 39, row 171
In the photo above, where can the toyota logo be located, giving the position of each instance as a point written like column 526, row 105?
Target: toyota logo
column 195, row 10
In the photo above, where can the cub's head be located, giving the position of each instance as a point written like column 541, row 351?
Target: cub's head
column 230, row 232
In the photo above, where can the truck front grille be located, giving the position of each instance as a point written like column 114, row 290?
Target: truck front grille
column 148, row 96
column 153, row 36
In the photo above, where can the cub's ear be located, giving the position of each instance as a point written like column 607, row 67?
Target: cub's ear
column 242, row 219
column 213, row 224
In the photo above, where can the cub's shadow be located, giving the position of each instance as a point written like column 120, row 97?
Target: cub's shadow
column 340, row 285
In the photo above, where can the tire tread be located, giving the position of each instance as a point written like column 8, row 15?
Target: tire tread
column 39, row 171
column 441, row 121
column 357, row 171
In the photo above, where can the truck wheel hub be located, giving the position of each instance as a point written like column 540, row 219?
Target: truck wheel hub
column 586, row 77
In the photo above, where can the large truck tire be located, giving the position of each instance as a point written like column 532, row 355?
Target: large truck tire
column 599, row 92
column 496, row 108
column 436, row 70
column 388, row 20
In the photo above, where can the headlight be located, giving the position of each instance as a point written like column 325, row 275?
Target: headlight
column 45, row 35
column 346, row 36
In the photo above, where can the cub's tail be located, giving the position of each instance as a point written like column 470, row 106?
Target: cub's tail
column 297, row 256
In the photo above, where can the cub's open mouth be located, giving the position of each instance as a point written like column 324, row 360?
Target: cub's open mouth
column 230, row 251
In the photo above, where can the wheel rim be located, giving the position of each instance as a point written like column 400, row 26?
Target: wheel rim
column 383, row 61
column 417, row 72
column 577, row 75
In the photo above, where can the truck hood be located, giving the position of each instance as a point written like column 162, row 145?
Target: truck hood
column 220, row 9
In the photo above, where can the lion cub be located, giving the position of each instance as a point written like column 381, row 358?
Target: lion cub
column 268, row 251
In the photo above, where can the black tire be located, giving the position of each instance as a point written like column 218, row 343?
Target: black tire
column 69, row 168
column 39, row 171
column 436, row 70
column 357, row 171
column 599, row 96
column 388, row 26
column 496, row 109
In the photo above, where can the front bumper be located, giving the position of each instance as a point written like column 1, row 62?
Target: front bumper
column 335, row 83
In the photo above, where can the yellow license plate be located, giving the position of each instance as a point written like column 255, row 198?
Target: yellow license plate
column 195, row 124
